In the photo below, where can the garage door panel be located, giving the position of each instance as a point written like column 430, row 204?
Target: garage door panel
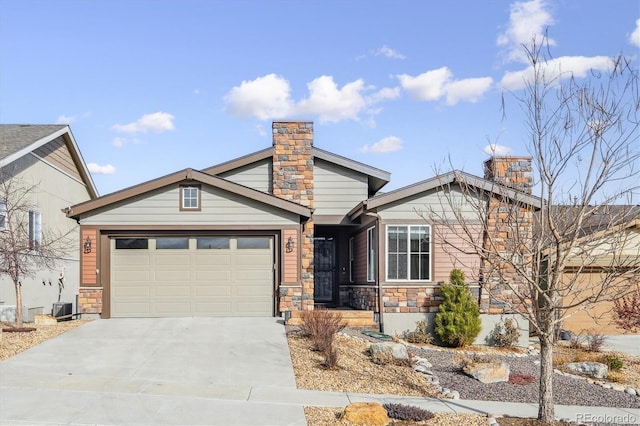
column 212, row 257
column 213, row 308
column 134, row 258
column 213, row 291
column 126, row 308
column 132, row 276
column 172, row 276
column 173, row 308
column 213, row 276
column 206, row 281
column 172, row 259
column 173, row 290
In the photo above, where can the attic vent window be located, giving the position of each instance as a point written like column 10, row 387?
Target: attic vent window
column 190, row 198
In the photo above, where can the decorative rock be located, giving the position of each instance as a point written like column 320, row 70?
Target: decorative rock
column 454, row 395
column 592, row 369
column 488, row 372
column 432, row 379
column 422, row 369
column 631, row 391
column 41, row 319
column 365, row 413
column 381, row 353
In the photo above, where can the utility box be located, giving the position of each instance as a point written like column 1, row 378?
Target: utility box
column 62, row 311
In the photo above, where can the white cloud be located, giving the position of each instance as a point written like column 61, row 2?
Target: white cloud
column 559, row 68
column 64, row 119
column 196, row 91
column 634, row 38
column 469, row 89
column 265, row 98
column 269, row 97
column 388, row 144
column 95, row 168
column 388, row 52
column 527, row 20
column 437, row 84
column 333, row 104
column 157, row 122
column 495, row 149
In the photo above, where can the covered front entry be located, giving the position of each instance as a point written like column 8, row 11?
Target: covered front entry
column 192, row 276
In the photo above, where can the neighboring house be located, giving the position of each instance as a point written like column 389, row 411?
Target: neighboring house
column 48, row 157
column 274, row 232
column 609, row 244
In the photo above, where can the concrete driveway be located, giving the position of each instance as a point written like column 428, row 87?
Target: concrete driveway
column 184, row 371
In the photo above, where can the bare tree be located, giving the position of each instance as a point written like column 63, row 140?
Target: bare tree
column 25, row 246
column 536, row 250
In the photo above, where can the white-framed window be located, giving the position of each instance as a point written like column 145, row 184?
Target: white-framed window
column 35, row 229
column 351, row 258
column 189, row 198
column 371, row 254
column 3, row 215
column 408, row 253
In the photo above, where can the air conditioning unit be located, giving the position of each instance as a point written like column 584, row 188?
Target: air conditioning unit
column 62, row 311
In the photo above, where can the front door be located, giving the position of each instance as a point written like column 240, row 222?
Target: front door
column 324, row 269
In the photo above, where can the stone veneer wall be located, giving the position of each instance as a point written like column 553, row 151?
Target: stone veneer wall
column 293, row 181
column 90, row 300
column 363, row 297
column 508, row 224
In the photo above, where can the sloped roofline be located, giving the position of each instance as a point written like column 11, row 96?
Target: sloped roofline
column 378, row 177
column 455, row 176
column 187, row 175
column 65, row 132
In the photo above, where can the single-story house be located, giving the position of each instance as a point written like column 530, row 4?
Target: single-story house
column 604, row 266
column 277, row 231
column 46, row 159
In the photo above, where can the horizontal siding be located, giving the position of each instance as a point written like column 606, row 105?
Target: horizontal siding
column 57, row 153
column 290, row 274
column 434, row 200
column 89, row 260
column 451, row 249
column 219, row 207
column 337, row 189
column 258, row 176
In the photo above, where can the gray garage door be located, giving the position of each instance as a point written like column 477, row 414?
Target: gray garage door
column 195, row 276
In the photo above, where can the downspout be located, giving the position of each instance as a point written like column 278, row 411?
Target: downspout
column 378, row 280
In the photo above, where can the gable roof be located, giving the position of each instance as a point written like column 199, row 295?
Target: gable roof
column 439, row 181
column 377, row 178
column 190, row 176
column 18, row 140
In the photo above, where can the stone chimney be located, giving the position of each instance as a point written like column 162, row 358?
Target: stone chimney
column 508, row 234
column 514, row 172
column 293, row 181
column 293, row 161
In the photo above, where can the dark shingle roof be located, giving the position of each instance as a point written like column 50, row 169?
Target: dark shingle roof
column 15, row 137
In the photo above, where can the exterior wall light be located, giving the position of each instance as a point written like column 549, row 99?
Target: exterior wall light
column 291, row 244
column 87, row 245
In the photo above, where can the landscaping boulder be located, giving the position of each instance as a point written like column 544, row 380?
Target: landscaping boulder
column 591, row 369
column 488, row 372
column 365, row 413
column 384, row 353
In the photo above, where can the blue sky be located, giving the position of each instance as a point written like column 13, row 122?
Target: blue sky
column 152, row 87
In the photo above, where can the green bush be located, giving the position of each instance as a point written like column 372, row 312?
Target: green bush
column 613, row 362
column 457, row 322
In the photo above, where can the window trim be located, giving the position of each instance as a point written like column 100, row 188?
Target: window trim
column 182, row 198
column 371, row 254
column 408, row 233
column 351, row 258
column 35, row 230
column 3, row 215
